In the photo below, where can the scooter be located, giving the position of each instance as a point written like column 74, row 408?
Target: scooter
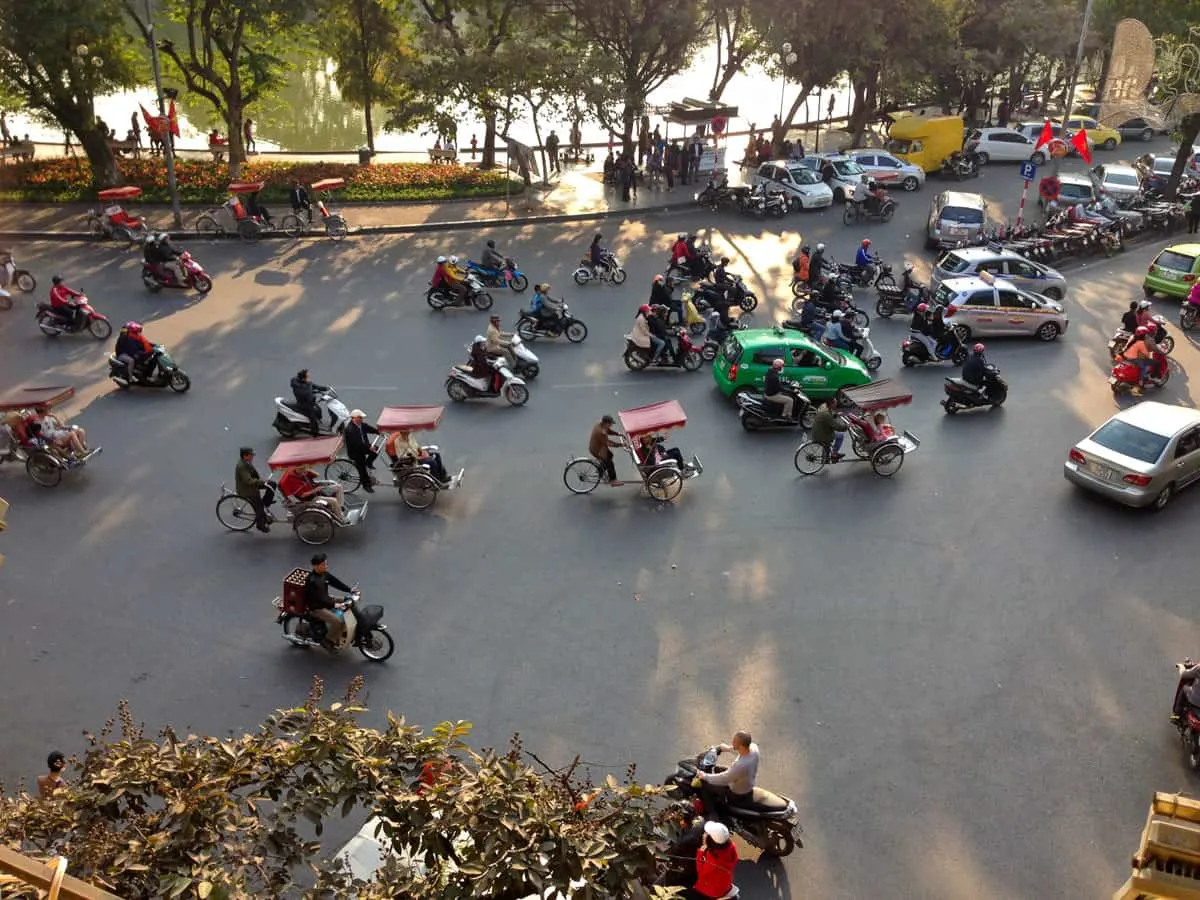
column 526, row 361
column 290, row 421
column 962, row 394
column 364, row 631
column 1188, row 314
column 717, row 332
column 155, row 278
column 1118, row 343
column 11, row 276
column 914, row 352
column 758, row 413
column 507, row 277
column 442, row 298
column 461, row 385
column 530, row 326
column 94, row 323
column 165, row 372
column 686, row 355
column 871, row 357
column 1188, row 724
column 1127, row 377
column 612, row 272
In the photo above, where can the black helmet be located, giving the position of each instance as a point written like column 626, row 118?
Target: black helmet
column 806, row 249
column 57, row 279
column 492, row 244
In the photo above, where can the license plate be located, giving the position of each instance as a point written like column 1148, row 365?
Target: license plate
column 508, row 276
column 1103, row 471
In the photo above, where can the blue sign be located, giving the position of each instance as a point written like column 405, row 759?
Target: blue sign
column 1028, row 170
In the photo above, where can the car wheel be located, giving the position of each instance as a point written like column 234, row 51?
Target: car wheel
column 1149, row 292
column 1163, row 497
column 982, row 158
column 1110, row 144
column 839, row 196
column 795, row 205
column 910, row 183
column 1038, row 158
column 1053, row 294
column 1148, row 134
column 1047, row 332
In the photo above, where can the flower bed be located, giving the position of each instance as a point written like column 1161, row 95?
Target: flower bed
column 63, row 180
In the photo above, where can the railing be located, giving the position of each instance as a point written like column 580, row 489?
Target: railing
column 52, row 877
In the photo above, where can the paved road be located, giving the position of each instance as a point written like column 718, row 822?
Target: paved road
column 961, row 674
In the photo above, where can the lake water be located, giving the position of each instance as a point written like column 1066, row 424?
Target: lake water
column 308, row 115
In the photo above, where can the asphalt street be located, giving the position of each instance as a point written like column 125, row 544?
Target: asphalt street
column 961, row 674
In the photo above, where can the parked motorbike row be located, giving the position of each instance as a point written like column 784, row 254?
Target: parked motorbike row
column 748, row 200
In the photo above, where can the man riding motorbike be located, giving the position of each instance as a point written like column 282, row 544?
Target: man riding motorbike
column 448, row 277
column 642, row 334
column 548, row 309
column 735, row 784
column 719, row 276
column 492, row 258
column 660, row 295
column 164, row 257
column 1129, row 321
column 321, row 605
column 811, row 319
column 63, row 303
column 974, row 370
column 913, row 289
column 841, row 333
column 660, row 329
column 773, row 389
column 816, row 265
column 862, row 258
column 499, row 343
column 305, row 393
column 134, row 349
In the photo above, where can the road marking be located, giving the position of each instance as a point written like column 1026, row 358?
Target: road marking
column 592, row 384
column 367, row 387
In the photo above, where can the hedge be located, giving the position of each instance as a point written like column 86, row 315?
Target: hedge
column 64, row 180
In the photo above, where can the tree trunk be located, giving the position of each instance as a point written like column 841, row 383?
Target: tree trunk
column 234, row 119
column 368, row 123
column 803, row 94
column 1189, row 128
column 628, row 118
column 865, row 90
column 487, row 159
column 100, row 156
column 537, row 136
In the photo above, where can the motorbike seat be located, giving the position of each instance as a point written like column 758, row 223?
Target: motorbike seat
column 760, row 801
column 965, row 385
column 294, row 406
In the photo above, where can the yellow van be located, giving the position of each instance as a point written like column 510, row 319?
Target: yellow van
column 926, row 142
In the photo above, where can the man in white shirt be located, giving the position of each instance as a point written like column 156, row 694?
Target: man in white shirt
column 737, row 782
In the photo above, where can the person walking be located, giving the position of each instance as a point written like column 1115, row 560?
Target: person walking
column 358, row 447
column 248, row 132
column 249, row 485
column 135, row 129
column 552, row 152
column 1193, row 214
column 68, row 150
column 4, row 135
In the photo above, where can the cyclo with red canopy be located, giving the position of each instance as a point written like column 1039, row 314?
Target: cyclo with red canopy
column 241, row 214
column 21, row 408
column 112, row 221
column 661, row 471
column 313, row 519
column 295, row 224
column 880, row 446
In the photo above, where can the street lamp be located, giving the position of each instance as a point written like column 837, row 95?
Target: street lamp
column 788, row 58
column 168, row 144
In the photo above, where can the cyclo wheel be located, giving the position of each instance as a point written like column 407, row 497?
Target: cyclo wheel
column 887, row 460
column 249, row 231
column 291, row 225
column 418, row 490
column 582, row 476
column 336, row 228
column 810, row 458
column 664, row 484
column 235, row 513
column 43, row 469
column 344, row 473
column 314, row 527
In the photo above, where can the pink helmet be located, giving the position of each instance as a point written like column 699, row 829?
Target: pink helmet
column 644, row 308
column 866, row 242
column 133, row 327
column 658, row 279
column 922, row 307
column 979, row 348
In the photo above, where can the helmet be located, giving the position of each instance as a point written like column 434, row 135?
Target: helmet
column 1141, row 331
column 806, row 249
column 820, row 246
column 357, row 414
column 479, row 339
column 441, row 259
column 57, row 279
column 777, row 364
column 658, row 279
column 160, row 237
column 718, row 832
column 978, row 348
column 908, row 267
column 1145, row 304
column 866, row 242
column 453, row 260
column 922, row 307
column 644, row 308
column 682, row 237
column 837, row 314
column 133, row 327
column 492, row 244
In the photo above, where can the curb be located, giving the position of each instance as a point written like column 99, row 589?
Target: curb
column 416, row 228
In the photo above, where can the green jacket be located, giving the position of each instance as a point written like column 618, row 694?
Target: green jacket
column 825, row 423
column 247, row 483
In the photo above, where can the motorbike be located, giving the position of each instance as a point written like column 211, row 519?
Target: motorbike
column 364, row 631
column 871, row 357
column 679, row 354
column 526, row 363
column 612, row 272
column 530, row 326
column 290, row 421
column 961, row 165
column 159, row 371
column 680, row 270
column 893, row 297
column 913, row 351
column 52, row 324
column 714, row 196
column 11, row 276
column 1120, row 339
column 461, row 385
column 845, row 303
column 877, row 274
column 757, row 413
column 442, row 298
column 768, row 822
column 962, row 394
column 739, row 294
column 1127, row 377
column 507, row 277
column 883, row 208
column 1188, row 723
column 157, row 277
column 716, row 333
column 1187, row 315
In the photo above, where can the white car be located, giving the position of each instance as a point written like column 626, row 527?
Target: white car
column 1033, row 131
column 844, row 173
column 1003, row 145
column 1117, row 179
column 802, row 186
column 983, row 306
column 889, row 170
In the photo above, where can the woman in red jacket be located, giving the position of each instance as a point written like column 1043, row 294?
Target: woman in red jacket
column 715, row 862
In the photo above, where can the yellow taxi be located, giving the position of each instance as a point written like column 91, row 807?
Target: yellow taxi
column 1101, row 135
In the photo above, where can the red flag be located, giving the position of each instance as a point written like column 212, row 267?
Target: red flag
column 173, row 120
column 1080, row 143
column 1046, row 137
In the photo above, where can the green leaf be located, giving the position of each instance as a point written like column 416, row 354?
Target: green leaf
column 203, row 889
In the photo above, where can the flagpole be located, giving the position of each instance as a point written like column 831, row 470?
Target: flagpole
column 169, row 135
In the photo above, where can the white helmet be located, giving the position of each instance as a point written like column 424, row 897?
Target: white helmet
column 479, row 339
column 837, row 314
column 441, row 259
column 453, row 260
column 1145, row 304
column 820, row 246
column 160, row 237
column 908, row 267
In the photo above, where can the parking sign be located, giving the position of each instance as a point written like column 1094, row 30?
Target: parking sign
column 1028, row 170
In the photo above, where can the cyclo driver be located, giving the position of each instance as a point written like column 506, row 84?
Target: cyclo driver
column 321, row 605
column 135, row 350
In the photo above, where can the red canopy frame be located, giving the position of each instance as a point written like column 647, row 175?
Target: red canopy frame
column 307, row 452
column 128, row 192
column 329, row 184
column 33, row 397
column 656, row 417
column 882, row 394
column 410, row 418
column 247, row 187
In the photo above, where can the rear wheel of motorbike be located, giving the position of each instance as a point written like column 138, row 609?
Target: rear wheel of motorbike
column 885, row 214
column 291, row 225
column 750, row 422
column 377, row 646
column 436, row 300
column 636, row 360
column 6, row 301
column 314, row 527
column 1187, row 319
column 950, row 406
column 907, row 360
column 885, row 309
column 202, row 283
column 696, row 328
column 576, row 332
column 960, row 356
column 779, row 840
column 530, row 371
column 151, row 283
column 24, row 281
column 344, row 472
column 100, row 329
column 482, row 300
column 581, row 276
column 809, row 458
column 179, row 382
column 418, row 490
column 44, row 323
column 44, row 471
column 708, row 352
column 207, row 225
column 336, row 228
column 582, row 476
column 874, row 363
column 887, row 283
column 456, row 390
column 749, row 303
column 518, row 283
column 292, row 627
column 235, row 513
column 692, row 361
column 619, row 275
column 797, row 305
column 516, row 394
column 527, row 329
column 664, row 484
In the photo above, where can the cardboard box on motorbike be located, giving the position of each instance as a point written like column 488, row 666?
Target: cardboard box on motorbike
column 926, row 141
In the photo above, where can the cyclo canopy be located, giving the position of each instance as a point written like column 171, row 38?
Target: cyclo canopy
column 35, row 398
column 247, row 187
column 329, row 184
column 883, row 394
column 409, row 418
column 307, row 452
column 654, row 418
column 128, row 192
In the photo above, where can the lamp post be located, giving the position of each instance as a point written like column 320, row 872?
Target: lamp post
column 787, row 58
column 1087, row 17
column 168, row 142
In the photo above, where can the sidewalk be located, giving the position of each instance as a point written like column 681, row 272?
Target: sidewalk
column 575, row 194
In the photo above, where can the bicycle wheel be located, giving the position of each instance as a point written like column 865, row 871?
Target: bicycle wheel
column 664, row 484
column 344, row 473
column 582, row 476
column 235, row 513
column 291, row 225
column 810, row 458
column 207, row 225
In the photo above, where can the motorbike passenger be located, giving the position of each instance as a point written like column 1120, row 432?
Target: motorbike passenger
column 303, row 483
column 481, row 366
column 499, row 343
column 1145, row 315
column 811, row 319
column 447, row 277
column 134, row 350
column 492, row 258
column 305, row 393
column 715, row 861
column 1129, row 321
column 401, row 446
column 660, row 295
column 64, row 303
column 735, row 784
column 861, row 195
column 845, row 335
column 642, row 336
column 321, row 605
column 816, row 265
column 831, row 294
column 657, row 322
column 695, row 260
column 773, row 389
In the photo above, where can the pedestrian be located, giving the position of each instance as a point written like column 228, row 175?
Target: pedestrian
column 135, row 129
column 474, row 144
column 52, row 780
column 249, row 485
column 633, row 179
column 696, row 155
column 552, row 150
column 68, row 150
column 600, row 446
column 4, row 135
column 670, row 164
column 832, row 100
column 625, row 173
column 1193, row 214
column 1002, row 114
column 358, row 448
column 248, row 132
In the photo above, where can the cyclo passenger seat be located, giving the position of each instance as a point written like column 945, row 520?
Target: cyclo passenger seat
column 760, row 800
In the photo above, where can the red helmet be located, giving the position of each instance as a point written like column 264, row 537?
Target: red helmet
column 922, row 307
column 644, row 308
column 866, row 242
column 1142, row 330
column 133, row 327
column 979, row 348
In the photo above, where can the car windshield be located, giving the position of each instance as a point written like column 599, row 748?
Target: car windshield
column 945, row 295
column 731, row 349
column 953, row 263
column 1075, row 191
column 847, row 167
column 962, row 215
column 1163, row 165
column 1175, row 261
column 1124, row 178
column 804, row 176
column 1131, row 441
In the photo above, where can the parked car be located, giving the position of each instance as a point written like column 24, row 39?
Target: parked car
column 1003, row 145
column 821, row 371
column 803, row 186
column 1142, row 456
column 983, row 306
column 1173, row 271
column 1012, row 267
column 1118, row 179
column 1141, row 129
column 1102, row 136
column 889, row 170
column 844, row 173
column 1073, row 189
column 1155, row 171
column 1033, row 131
column 955, row 217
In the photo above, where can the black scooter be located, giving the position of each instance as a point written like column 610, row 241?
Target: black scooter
column 159, row 371
column 962, row 394
column 758, row 413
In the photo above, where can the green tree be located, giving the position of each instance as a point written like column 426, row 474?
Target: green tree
column 737, row 43
column 1189, row 129
column 366, row 38
column 233, row 56
column 195, row 816
column 57, row 55
column 816, row 39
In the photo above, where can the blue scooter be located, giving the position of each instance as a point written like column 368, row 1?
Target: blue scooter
column 509, row 276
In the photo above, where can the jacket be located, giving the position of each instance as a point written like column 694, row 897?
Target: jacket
column 825, row 424
column 802, row 266
column 496, row 341
column 304, row 392
column 816, row 263
column 316, row 590
column 680, row 248
column 491, row 259
column 660, row 295
column 772, row 383
column 657, row 327
column 862, row 257
column 714, row 869
column 596, row 254
column 246, row 481
column 640, row 333
column 61, row 295
column 358, row 441
column 133, row 345
column 1129, row 322
column 299, row 198
column 481, row 367
column 974, row 369
column 598, row 442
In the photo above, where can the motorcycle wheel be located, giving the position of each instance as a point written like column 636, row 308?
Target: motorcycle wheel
column 749, row 303
column 482, row 301
column 1187, row 319
column 179, row 382
column 581, row 276
column 202, row 283
column 950, row 406
column 516, row 394
column 292, row 626
column 25, row 282
column 750, row 422
column 874, row 363
column 518, row 283
column 779, row 841
column 1168, row 344
column 708, row 352
column 886, row 213
column 797, row 306
column 527, row 330
column 576, row 332
column 797, row 287
column 100, row 329
column 235, row 513
column 530, row 371
column 848, row 217
column 436, row 300
column 636, row 360
column 696, row 328
column 1001, row 396
column 151, row 284
column 377, row 646
column 692, row 361
column 885, row 309
column 44, row 323
column 456, row 390
column 960, row 356
column 6, row 301
column 861, row 319
column 313, row 527
column 908, row 361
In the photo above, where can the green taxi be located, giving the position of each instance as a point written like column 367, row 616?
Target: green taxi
column 821, row 371
column 1173, row 271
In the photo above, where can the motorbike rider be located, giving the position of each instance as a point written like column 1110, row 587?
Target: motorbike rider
column 863, row 259
column 921, row 329
column 549, row 310
column 816, row 265
column 642, row 336
column 831, row 293
column 1140, row 351
column 844, row 336
column 735, row 784
column 720, row 276
column 660, row 328
column 802, row 265
column 492, row 258
column 773, row 389
column 447, row 277
column 305, row 393
column 909, row 285
column 599, row 257
column 975, row 369
column 63, row 303
column 1186, row 693
column 811, row 319
column 681, row 251
column 499, row 343
column 321, row 605
column 660, row 295
column 166, row 257
column 134, row 350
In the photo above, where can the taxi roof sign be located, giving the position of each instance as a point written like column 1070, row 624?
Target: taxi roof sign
column 986, row 277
